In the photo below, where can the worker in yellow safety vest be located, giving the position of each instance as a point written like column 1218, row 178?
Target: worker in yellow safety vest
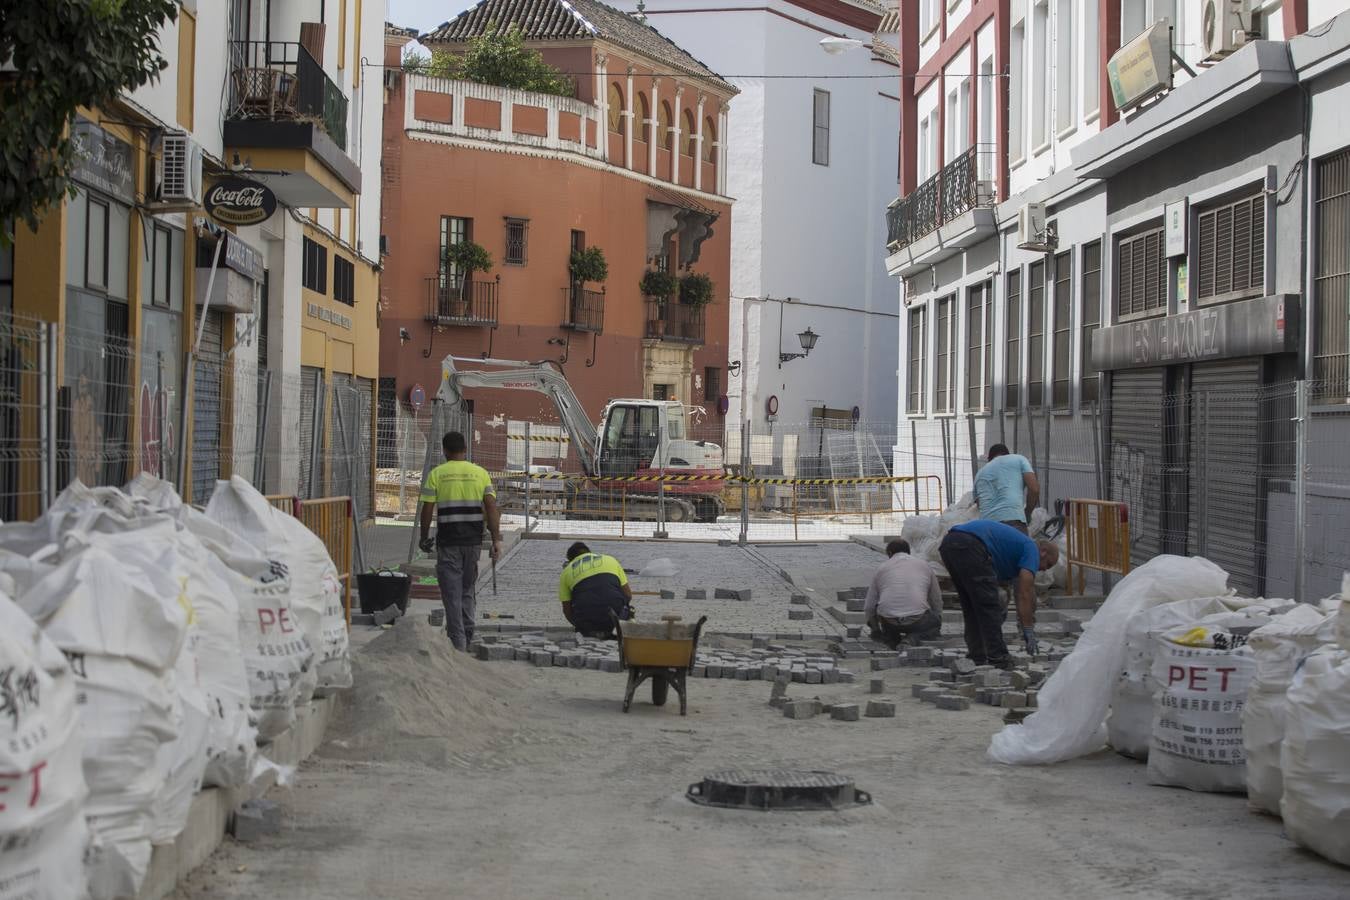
column 593, row 586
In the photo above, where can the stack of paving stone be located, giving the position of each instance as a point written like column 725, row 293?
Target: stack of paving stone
column 840, row 710
column 929, row 657
column 959, row 683
column 763, row 662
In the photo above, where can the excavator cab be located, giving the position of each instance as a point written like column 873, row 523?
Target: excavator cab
column 631, row 438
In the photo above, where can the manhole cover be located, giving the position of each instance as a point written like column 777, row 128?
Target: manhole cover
column 777, row 789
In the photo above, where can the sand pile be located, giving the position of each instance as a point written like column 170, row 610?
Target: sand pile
column 416, row 700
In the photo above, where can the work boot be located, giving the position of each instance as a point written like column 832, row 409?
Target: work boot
column 1006, row 663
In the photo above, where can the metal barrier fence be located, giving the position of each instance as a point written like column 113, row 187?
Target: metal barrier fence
column 1097, row 534
column 332, row 519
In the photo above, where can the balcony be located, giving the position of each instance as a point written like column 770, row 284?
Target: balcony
column 585, row 309
column 964, row 184
column 449, row 303
column 284, row 110
column 674, row 321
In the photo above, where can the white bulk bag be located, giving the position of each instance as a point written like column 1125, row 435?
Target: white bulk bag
column 43, row 836
column 316, row 596
column 1129, row 730
column 1072, row 706
column 1316, row 802
column 1277, row 648
column 123, row 641
column 1202, row 673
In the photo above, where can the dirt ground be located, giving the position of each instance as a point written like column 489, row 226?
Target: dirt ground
column 545, row 789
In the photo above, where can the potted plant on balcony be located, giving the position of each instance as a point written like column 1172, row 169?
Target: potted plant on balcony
column 696, row 289
column 465, row 258
column 588, row 266
column 657, row 286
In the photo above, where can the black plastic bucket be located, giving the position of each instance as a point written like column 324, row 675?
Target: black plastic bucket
column 382, row 589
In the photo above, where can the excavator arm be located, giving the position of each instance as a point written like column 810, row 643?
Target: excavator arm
column 540, row 377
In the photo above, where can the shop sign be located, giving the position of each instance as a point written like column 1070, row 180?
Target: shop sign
column 238, row 201
column 242, row 258
column 103, row 162
column 1247, row 328
column 324, row 314
column 1142, row 68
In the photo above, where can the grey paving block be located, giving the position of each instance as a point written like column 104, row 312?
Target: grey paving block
column 916, row 690
column 964, row 666
column 844, row 712
column 667, row 595
column 855, row 605
column 846, row 677
column 930, row 694
column 940, row 675
column 966, row 690
column 576, row 661
column 860, row 593
column 1013, row 716
column 877, row 686
column 854, row 630
column 813, row 676
column 1033, row 699
column 255, row 819
column 880, row 709
column 696, row 594
column 799, row 600
column 800, row 614
column 801, row 709
column 1019, row 679
column 953, row 702
column 844, row 596
column 724, row 594
column 1013, row 700
column 593, row 662
column 541, row 658
column 713, row 670
column 829, row 676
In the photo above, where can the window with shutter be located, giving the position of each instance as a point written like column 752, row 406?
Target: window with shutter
column 1141, row 275
column 820, row 145
column 943, row 402
column 1231, row 250
column 1012, row 365
column 1063, row 334
column 918, row 372
column 1036, row 336
column 1091, row 294
column 979, row 347
column 1331, row 284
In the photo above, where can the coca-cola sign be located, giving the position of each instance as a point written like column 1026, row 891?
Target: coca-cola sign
column 238, row 201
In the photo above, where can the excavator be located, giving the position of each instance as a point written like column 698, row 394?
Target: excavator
column 636, row 437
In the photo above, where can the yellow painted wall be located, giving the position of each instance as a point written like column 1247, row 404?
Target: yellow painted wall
column 330, row 346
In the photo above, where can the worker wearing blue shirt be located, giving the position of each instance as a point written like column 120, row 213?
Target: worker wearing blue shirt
column 979, row 556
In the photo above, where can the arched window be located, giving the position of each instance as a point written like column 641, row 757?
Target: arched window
column 663, row 127
column 690, row 135
column 616, row 117
column 709, row 139
column 645, row 112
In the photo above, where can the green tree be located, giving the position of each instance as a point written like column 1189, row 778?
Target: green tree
column 67, row 54
column 501, row 58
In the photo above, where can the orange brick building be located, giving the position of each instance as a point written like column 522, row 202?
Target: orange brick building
column 632, row 164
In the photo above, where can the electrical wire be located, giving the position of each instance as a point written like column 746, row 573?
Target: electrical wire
column 888, row 76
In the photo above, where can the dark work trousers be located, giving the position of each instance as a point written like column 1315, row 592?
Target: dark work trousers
column 456, row 574
column 972, row 571
column 926, row 626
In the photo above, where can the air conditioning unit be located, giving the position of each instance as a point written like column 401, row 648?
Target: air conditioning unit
column 178, row 173
column 1032, row 231
column 1223, row 27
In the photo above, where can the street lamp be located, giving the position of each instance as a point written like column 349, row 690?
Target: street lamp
column 836, row 45
column 808, row 340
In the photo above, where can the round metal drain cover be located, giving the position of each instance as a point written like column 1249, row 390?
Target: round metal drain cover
column 777, row 789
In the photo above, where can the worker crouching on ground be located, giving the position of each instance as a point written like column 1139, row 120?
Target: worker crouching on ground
column 980, row 555
column 462, row 495
column 904, row 602
column 593, row 586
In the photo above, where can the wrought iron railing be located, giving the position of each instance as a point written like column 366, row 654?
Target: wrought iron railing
column 675, row 321
column 962, row 185
column 449, row 302
column 280, row 81
column 585, row 309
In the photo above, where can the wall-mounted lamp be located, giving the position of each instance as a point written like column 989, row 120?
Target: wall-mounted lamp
column 836, row 45
column 734, row 368
column 403, row 336
column 808, row 340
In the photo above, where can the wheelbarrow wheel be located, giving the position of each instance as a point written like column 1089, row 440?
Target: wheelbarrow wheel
column 660, row 690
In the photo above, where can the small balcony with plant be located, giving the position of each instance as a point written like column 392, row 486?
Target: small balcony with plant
column 455, row 297
column 676, row 307
column 585, row 308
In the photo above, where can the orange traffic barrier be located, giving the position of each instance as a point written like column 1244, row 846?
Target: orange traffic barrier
column 1098, row 536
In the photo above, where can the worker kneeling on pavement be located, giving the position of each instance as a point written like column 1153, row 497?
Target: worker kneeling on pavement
column 980, row 555
column 592, row 587
column 904, row 602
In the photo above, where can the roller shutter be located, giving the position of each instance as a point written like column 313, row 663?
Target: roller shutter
column 1135, row 455
column 207, row 405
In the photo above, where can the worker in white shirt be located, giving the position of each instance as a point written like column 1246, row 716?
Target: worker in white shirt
column 904, row 603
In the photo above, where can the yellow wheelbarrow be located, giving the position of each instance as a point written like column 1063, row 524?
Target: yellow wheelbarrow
column 662, row 651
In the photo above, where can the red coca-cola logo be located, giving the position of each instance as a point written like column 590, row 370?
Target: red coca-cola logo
column 237, row 201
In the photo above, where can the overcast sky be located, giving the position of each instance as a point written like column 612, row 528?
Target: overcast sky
column 425, row 15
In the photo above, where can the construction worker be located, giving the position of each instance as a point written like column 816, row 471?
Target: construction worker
column 979, row 556
column 461, row 494
column 1006, row 489
column 591, row 587
column 904, row 601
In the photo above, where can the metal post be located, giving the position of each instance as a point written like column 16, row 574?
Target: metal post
column 259, row 459
column 661, row 531
column 1031, row 437
column 974, row 452
column 946, row 457
column 914, row 459
column 189, row 370
column 1003, row 426
column 795, row 535
column 745, row 484
column 427, row 465
column 1302, row 424
column 402, row 461
column 1097, row 451
column 320, row 397
column 351, row 478
column 529, row 452
column 1048, row 502
column 47, row 394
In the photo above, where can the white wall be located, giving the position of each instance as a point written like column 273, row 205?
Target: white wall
column 800, row 230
